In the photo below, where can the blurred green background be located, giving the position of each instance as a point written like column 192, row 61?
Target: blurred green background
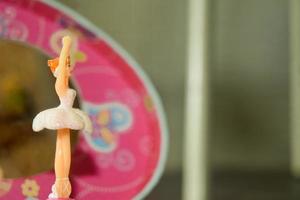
column 249, row 135
column 248, row 72
column 249, row 138
column 154, row 33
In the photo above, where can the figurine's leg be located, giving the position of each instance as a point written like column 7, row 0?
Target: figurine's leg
column 62, row 163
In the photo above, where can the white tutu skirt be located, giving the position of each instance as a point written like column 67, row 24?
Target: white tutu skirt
column 60, row 118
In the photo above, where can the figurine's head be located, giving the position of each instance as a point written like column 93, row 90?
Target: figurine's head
column 53, row 64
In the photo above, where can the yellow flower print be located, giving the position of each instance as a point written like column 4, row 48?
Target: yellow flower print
column 80, row 56
column 30, row 188
column 103, row 118
column 148, row 103
column 107, row 135
column 5, row 186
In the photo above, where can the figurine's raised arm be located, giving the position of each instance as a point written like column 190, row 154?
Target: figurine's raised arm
column 63, row 71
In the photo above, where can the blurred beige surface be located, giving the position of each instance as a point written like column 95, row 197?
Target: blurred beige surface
column 26, row 88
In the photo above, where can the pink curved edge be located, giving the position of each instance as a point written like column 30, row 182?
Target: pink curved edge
column 61, row 199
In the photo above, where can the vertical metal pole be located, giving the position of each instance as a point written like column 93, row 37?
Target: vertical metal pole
column 195, row 159
column 295, row 85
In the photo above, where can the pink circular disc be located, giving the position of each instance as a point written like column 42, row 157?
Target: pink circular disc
column 125, row 155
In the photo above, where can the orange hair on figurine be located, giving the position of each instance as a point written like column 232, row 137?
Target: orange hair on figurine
column 53, row 63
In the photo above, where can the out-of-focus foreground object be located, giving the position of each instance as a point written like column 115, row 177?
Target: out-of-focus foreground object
column 195, row 158
column 295, row 85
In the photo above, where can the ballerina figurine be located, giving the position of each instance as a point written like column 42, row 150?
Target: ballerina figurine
column 62, row 118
